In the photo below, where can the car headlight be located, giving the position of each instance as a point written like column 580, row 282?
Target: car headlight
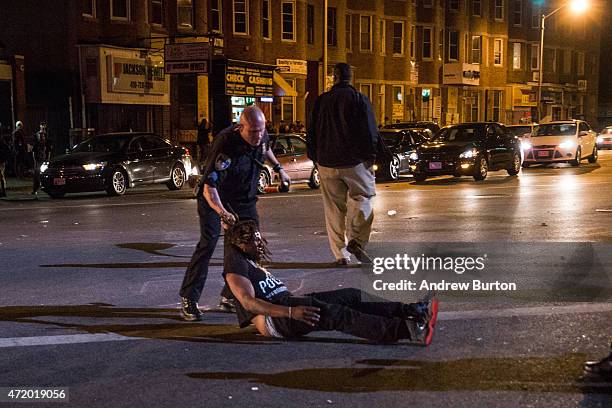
column 375, row 167
column 468, row 154
column 44, row 167
column 568, row 144
column 413, row 156
column 526, row 145
column 599, row 139
column 94, row 166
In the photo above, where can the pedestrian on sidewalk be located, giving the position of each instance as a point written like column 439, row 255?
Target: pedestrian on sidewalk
column 203, row 141
column 342, row 140
column 19, row 150
column 265, row 301
column 41, row 153
column 227, row 189
column 5, row 154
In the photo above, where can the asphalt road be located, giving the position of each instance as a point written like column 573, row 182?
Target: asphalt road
column 88, row 300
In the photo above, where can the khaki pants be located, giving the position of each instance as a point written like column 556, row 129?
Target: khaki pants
column 347, row 200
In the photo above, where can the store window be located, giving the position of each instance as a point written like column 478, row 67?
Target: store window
column 288, row 20
column 157, row 12
column 472, row 103
column 365, row 33
column 266, row 28
column 310, row 24
column 398, row 38
column 398, row 103
column 332, row 27
column 184, row 14
column 89, row 8
column 241, row 17
column 215, row 16
column 288, row 105
column 497, row 106
column 120, row 9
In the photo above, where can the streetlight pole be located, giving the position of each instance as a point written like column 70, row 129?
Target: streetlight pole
column 324, row 68
column 579, row 5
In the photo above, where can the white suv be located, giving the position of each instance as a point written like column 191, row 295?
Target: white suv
column 561, row 141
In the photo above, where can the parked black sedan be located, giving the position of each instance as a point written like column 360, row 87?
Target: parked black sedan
column 468, row 149
column 402, row 143
column 115, row 162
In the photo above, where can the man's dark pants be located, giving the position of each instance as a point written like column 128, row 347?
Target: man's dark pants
column 210, row 229
column 345, row 311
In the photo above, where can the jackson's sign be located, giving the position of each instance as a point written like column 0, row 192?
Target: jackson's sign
column 137, row 76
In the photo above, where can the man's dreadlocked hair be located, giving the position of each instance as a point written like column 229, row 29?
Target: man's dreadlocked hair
column 243, row 233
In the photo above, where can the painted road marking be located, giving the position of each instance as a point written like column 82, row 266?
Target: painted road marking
column 459, row 315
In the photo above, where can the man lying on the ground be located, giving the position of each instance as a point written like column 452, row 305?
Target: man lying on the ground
column 267, row 303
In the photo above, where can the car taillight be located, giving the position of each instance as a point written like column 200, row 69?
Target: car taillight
column 186, row 151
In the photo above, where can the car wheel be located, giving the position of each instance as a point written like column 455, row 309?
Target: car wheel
column 516, row 165
column 315, row 179
column 393, row 168
column 593, row 157
column 264, row 181
column 482, row 169
column 177, row 178
column 118, row 183
column 420, row 177
column 56, row 194
column 576, row 161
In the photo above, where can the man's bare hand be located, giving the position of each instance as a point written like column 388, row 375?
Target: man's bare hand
column 307, row 314
column 227, row 219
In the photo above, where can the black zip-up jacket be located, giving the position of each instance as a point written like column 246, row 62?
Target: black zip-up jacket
column 342, row 129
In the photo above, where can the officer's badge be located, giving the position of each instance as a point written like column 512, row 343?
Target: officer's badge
column 222, row 162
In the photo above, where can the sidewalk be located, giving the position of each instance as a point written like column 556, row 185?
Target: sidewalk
column 19, row 184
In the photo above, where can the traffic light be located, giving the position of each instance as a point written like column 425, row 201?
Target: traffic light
column 426, row 93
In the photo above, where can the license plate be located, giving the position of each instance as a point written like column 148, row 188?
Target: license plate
column 59, row 181
column 435, row 165
column 543, row 153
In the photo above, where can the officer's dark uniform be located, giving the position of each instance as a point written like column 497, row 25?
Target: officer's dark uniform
column 232, row 167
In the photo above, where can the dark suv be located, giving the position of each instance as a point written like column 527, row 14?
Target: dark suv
column 468, row 149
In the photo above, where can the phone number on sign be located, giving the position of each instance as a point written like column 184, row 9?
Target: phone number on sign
column 13, row 394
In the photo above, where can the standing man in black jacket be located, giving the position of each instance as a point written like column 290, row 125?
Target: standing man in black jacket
column 342, row 139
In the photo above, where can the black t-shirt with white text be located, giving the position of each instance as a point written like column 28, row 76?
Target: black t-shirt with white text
column 267, row 287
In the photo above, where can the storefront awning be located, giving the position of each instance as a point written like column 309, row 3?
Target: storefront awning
column 282, row 87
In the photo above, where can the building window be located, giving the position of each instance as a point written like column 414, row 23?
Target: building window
column 383, row 36
column 453, row 5
column 453, row 45
column 535, row 57
column 241, row 17
column 348, row 32
column 366, row 89
column 472, row 102
column 365, row 33
column 428, row 3
column 398, row 102
column 497, row 105
column 499, row 10
column 120, row 9
column 498, row 51
column 412, row 41
column 398, row 38
column 310, row 24
column 426, row 43
column 580, row 63
column 517, row 13
column 441, row 45
column 184, row 14
column 89, row 8
column 535, row 16
column 288, row 104
column 567, row 61
column 266, row 28
column 288, row 19
column 516, row 55
column 476, row 8
column 157, row 12
column 332, row 27
column 476, row 54
column 215, row 16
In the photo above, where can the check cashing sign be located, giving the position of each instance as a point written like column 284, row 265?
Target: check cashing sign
column 247, row 79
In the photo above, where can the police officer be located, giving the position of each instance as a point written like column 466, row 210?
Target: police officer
column 228, row 188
